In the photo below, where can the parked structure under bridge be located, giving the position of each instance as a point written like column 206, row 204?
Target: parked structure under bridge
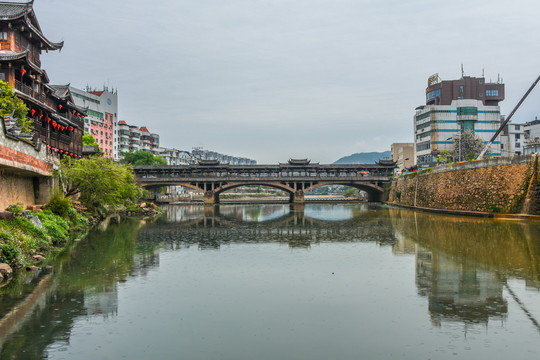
column 295, row 177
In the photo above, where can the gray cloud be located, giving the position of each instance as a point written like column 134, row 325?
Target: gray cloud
column 275, row 79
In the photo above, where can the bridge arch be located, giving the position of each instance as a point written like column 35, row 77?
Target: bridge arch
column 375, row 192
column 230, row 186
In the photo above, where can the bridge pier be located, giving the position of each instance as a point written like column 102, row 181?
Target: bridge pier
column 210, row 197
column 297, row 197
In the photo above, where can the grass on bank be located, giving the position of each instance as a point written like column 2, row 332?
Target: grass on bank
column 22, row 237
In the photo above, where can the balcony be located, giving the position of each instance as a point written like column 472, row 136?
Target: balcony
column 28, row 90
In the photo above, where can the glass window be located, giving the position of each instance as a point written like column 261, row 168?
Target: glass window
column 461, row 89
column 468, row 110
column 492, row 92
column 517, row 136
column 433, row 94
column 518, row 127
column 3, row 36
column 481, row 95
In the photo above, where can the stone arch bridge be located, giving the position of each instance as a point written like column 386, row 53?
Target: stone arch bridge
column 295, row 177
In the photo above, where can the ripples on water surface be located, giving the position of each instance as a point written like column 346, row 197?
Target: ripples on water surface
column 347, row 281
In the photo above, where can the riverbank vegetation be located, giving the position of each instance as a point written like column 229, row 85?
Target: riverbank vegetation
column 100, row 187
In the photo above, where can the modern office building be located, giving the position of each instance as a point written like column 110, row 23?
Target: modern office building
column 452, row 107
column 403, row 155
column 101, row 120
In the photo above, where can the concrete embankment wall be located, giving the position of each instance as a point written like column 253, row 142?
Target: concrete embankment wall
column 493, row 186
column 25, row 171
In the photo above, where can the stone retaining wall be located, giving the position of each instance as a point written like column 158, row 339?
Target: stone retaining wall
column 25, row 171
column 494, row 186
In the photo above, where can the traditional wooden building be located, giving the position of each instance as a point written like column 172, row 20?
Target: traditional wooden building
column 57, row 121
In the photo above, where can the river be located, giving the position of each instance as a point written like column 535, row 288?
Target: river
column 320, row 281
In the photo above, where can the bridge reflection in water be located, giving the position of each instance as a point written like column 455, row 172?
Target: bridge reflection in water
column 210, row 226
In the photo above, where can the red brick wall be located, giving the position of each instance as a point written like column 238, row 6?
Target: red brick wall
column 18, row 158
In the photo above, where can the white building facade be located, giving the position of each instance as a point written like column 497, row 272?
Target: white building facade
column 513, row 140
column 437, row 128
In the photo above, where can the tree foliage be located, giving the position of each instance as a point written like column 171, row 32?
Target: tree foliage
column 100, row 182
column 9, row 103
column 142, row 157
column 467, row 146
column 88, row 140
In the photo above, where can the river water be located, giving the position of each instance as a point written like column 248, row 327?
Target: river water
column 320, row 281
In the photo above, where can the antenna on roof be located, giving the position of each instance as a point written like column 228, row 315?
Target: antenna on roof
column 462, row 72
column 482, row 72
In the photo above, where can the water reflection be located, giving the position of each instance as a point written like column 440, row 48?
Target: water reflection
column 84, row 284
column 464, row 271
column 463, row 264
column 209, row 227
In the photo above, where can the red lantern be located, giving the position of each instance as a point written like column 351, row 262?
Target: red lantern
column 48, row 120
column 32, row 112
column 60, row 106
column 71, row 128
column 40, row 116
column 73, row 112
column 23, row 72
column 78, row 114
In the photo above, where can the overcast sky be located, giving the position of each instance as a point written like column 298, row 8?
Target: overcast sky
column 274, row 79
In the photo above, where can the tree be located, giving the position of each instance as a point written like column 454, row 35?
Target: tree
column 88, row 140
column 467, row 146
column 444, row 158
column 100, row 182
column 142, row 157
column 11, row 104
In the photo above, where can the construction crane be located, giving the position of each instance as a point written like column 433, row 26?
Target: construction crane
column 505, row 122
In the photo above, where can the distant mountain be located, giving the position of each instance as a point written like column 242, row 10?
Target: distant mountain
column 364, row 158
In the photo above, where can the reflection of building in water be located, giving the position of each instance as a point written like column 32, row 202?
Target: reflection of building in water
column 105, row 302
column 458, row 291
column 403, row 245
column 102, row 303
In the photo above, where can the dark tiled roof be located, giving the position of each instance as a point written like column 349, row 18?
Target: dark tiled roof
column 13, row 10
column 17, row 10
column 10, row 55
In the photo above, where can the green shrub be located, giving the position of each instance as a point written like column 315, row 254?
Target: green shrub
column 17, row 208
column 10, row 254
column 59, row 204
column 56, row 226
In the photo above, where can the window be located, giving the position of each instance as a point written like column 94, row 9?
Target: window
column 481, row 95
column 492, row 92
column 461, row 89
column 518, row 127
column 2, row 76
column 433, row 94
column 3, row 36
column 468, row 110
column 517, row 136
column 481, row 81
column 517, row 145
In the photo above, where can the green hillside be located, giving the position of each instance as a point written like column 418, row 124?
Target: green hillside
column 364, row 158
